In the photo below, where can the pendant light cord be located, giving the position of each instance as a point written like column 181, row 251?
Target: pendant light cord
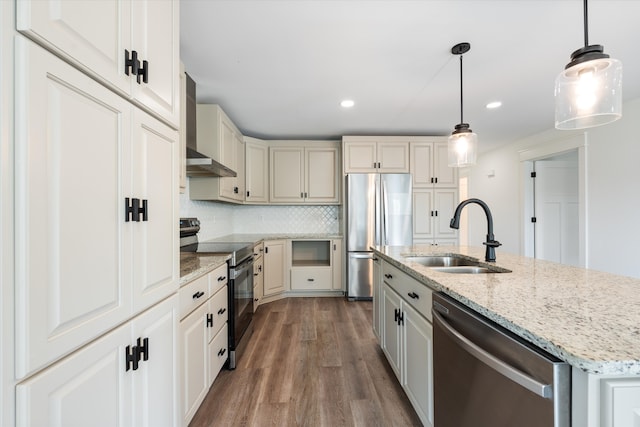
column 461, row 98
column 586, row 25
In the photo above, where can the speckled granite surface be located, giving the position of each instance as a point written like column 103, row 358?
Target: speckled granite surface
column 193, row 265
column 240, row 238
column 587, row 318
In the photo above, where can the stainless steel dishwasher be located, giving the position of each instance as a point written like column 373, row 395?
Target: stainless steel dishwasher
column 485, row 376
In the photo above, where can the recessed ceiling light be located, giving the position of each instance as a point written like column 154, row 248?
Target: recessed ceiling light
column 347, row 103
column 494, row 104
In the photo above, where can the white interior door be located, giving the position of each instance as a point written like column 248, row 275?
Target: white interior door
column 557, row 210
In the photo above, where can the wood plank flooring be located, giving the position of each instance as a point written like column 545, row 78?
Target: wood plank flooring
column 310, row 362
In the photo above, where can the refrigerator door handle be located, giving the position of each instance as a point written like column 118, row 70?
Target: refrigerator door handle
column 385, row 211
column 378, row 229
column 361, row 255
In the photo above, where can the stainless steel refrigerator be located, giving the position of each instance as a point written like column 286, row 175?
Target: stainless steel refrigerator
column 378, row 212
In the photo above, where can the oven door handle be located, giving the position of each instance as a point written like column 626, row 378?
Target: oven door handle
column 240, row 268
column 515, row 375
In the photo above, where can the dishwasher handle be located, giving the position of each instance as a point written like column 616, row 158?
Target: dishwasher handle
column 515, row 375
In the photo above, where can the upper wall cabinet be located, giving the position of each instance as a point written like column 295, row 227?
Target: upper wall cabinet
column 256, row 171
column 304, row 173
column 429, row 163
column 131, row 46
column 375, row 154
column 221, row 140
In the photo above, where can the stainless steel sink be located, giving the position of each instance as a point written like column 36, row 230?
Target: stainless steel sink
column 468, row 269
column 441, row 261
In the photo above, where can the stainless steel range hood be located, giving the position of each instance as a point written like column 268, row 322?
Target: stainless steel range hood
column 199, row 164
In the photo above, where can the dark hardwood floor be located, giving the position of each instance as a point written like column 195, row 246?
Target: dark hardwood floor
column 310, row 362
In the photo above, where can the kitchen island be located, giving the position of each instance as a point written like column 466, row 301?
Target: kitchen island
column 587, row 318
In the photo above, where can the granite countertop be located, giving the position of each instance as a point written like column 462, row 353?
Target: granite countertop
column 587, row 318
column 193, row 265
column 241, row 238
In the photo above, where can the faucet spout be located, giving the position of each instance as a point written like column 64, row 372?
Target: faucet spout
column 491, row 243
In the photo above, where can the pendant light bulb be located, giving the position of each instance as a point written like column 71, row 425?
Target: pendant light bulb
column 589, row 90
column 462, row 146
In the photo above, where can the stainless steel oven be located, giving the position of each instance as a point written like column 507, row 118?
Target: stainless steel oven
column 486, row 376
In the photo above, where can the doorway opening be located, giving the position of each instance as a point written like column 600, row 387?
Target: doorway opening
column 554, row 205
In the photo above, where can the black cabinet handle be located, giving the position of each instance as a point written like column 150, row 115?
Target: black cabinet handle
column 396, row 314
column 198, row 294
column 143, row 72
column 209, row 320
column 131, row 62
column 311, row 280
column 236, row 190
column 221, row 278
column 414, row 295
column 222, row 310
column 388, row 276
column 222, row 352
column 248, row 194
column 255, row 274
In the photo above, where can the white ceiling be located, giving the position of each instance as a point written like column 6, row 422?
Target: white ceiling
column 280, row 68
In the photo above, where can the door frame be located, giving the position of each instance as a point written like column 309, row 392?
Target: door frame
column 578, row 142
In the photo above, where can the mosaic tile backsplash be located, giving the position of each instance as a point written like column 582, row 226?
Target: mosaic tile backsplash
column 220, row 219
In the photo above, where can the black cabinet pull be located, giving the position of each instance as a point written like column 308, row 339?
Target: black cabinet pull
column 400, row 318
column 143, row 349
column 143, row 73
column 236, row 190
column 255, row 274
column 436, row 213
column 131, row 358
column 247, row 194
column 222, row 310
column 388, row 276
column 414, row 295
column 198, row 294
column 131, row 62
column 311, row 280
column 221, row 278
column 209, row 320
column 222, row 351
column 133, row 209
column 436, row 179
column 396, row 314
column 266, row 250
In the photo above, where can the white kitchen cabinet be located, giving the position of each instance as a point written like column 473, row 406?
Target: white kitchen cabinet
column 99, row 386
column 274, row 266
column 407, row 337
column 316, row 265
column 256, row 171
column 432, row 213
column 183, row 130
column 604, row 400
column 429, row 163
column 221, row 140
column 96, row 36
column 203, row 338
column 306, row 173
column 81, row 152
column 378, row 301
column 375, row 154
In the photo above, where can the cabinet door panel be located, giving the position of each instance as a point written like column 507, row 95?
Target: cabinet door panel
column 256, row 172
column 92, row 34
column 286, row 184
column 421, row 161
column 360, row 157
column 156, row 38
column 274, row 266
column 193, row 348
column 447, row 177
column 445, row 202
column 321, row 175
column 418, row 363
column 218, row 353
column 73, row 287
column 393, row 157
column 155, row 385
column 391, row 335
column 89, row 388
column 155, row 251
column 422, row 214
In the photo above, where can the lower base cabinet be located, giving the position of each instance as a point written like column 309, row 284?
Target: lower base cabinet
column 407, row 336
column 203, row 341
column 126, row 377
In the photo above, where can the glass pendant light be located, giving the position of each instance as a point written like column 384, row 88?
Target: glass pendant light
column 463, row 143
column 589, row 90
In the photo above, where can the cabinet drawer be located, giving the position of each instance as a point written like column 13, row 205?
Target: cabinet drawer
column 258, row 249
column 412, row 291
column 311, row 278
column 218, row 312
column 218, row 279
column 193, row 294
column 218, row 353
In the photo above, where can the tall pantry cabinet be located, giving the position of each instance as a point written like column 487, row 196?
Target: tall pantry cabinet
column 95, row 215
